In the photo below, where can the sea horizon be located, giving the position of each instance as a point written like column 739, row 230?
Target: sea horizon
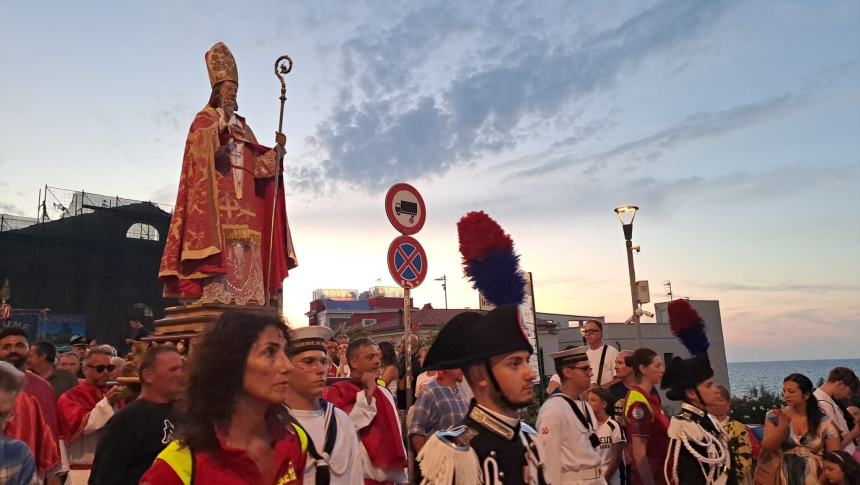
column 792, row 360
column 769, row 374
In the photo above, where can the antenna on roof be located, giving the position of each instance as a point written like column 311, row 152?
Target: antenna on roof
column 668, row 285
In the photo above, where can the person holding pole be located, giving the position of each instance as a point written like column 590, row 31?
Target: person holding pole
column 229, row 241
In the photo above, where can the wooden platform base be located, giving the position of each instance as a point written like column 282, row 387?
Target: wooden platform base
column 186, row 321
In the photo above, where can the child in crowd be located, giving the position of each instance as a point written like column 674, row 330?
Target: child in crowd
column 840, row 469
column 611, row 437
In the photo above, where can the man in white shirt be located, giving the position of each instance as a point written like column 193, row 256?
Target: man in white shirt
column 567, row 426
column 841, row 383
column 601, row 356
column 333, row 449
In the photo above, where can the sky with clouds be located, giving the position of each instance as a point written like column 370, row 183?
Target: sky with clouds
column 734, row 126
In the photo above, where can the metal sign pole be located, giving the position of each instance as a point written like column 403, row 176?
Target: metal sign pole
column 407, row 334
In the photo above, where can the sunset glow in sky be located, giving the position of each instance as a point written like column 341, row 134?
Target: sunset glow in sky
column 734, row 126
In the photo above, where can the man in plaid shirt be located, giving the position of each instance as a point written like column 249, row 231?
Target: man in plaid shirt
column 440, row 406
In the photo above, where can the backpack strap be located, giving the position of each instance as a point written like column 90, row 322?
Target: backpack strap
column 180, row 459
column 600, row 368
column 321, row 461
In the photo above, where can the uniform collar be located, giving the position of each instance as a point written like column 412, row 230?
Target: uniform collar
column 693, row 410
column 500, row 425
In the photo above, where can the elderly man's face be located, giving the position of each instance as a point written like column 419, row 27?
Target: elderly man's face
column 228, row 96
column 167, row 376
column 365, row 359
column 97, row 370
column 69, row 363
column 622, row 371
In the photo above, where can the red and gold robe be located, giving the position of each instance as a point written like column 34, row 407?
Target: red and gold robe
column 28, row 425
column 83, row 413
column 216, row 215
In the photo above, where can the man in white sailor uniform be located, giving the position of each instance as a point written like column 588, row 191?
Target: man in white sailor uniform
column 333, row 451
column 492, row 446
column 567, row 426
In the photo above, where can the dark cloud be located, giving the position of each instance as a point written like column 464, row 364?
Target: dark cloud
column 389, row 125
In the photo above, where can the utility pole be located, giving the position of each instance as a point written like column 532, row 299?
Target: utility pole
column 444, row 281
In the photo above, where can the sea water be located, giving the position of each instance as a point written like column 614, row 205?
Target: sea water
column 744, row 376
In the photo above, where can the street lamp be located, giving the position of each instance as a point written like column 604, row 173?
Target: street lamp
column 626, row 214
column 444, row 281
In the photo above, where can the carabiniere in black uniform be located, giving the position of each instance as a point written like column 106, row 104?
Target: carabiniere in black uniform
column 698, row 451
column 487, row 448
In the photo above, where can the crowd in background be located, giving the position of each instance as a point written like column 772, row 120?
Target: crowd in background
column 65, row 418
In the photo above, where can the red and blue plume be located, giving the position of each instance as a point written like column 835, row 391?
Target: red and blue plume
column 688, row 326
column 489, row 260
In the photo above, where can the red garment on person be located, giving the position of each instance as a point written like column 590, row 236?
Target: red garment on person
column 651, row 424
column 230, row 466
column 381, row 438
column 205, row 211
column 42, row 390
column 29, row 425
column 74, row 408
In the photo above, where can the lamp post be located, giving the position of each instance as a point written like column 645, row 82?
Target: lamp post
column 444, row 281
column 626, row 214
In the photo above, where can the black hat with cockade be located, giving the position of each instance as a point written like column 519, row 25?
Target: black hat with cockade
column 471, row 338
column 682, row 374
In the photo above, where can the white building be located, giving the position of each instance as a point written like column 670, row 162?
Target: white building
column 655, row 336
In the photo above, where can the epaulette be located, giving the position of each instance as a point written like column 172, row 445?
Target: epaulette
column 460, row 437
column 525, row 428
column 447, row 457
column 684, row 424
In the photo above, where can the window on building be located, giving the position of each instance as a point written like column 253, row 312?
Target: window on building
column 142, row 231
column 667, row 357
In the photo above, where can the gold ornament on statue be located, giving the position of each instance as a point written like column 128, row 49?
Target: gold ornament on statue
column 221, row 65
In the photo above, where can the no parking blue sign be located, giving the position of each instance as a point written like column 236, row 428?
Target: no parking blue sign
column 407, row 262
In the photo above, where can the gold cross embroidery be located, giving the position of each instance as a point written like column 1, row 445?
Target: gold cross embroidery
column 231, row 205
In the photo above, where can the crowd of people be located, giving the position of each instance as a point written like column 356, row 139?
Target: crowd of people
column 257, row 402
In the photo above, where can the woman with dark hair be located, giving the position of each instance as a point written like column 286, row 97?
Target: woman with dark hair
column 645, row 422
column 799, row 433
column 388, row 372
column 236, row 427
column 840, row 469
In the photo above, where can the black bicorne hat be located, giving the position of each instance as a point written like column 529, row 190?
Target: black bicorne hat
column 682, row 374
column 471, row 338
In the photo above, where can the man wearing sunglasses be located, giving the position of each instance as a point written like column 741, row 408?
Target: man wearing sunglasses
column 601, row 356
column 567, row 426
column 85, row 410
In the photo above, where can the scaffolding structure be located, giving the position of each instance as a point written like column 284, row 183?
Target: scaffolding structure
column 56, row 203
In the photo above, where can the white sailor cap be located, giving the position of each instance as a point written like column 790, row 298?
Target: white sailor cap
column 314, row 337
column 570, row 357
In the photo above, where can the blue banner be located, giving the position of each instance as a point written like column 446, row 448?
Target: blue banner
column 25, row 319
column 57, row 328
